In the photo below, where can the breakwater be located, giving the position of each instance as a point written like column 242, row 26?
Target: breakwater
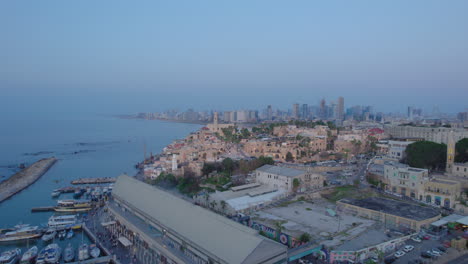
column 25, row 177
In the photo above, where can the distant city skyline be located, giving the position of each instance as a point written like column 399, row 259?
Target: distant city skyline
column 115, row 57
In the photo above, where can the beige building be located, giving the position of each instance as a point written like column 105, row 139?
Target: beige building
column 435, row 134
column 283, row 178
column 443, row 193
column 405, row 180
column 392, row 213
column 216, row 127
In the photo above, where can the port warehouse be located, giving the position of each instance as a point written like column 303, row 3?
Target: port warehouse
column 394, row 214
column 149, row 218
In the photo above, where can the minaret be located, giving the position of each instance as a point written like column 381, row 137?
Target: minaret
column 450, row 153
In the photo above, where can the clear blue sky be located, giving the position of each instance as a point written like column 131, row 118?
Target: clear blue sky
column 119, row 56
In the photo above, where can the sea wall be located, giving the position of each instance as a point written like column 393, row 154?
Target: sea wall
column 25, row 177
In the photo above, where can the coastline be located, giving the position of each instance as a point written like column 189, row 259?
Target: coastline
column 166, row 120
column 24, row 178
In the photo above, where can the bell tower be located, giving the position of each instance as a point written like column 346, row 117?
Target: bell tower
column 450, row 153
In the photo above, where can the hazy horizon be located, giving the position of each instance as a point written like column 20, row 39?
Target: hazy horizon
column 118, row 57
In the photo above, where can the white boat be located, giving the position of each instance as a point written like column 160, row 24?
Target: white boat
column 55, row 193
column 41, row 256
column 10, row 256
column 53, row 254
column 49, row 234
column 21, row 232
column 94, row 251
column 69, row 253
column 70, row 234
column 63, row 221
column 83, row 252
column 29, row 256
column 73, row 206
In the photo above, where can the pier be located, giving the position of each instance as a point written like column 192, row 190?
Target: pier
column 93, row 180
column 25, row 177
column 100, row 260
column 43, row 209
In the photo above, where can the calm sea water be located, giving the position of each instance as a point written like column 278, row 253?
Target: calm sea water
column 93, row 146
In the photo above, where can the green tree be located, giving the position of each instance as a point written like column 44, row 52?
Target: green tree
column 223, row 205
column 278, row 228
column 461, row 149
column 289, row 157
column 296, row 184
column 228, row 165
column 426, row 155
column 304, row 238
column 245, row 133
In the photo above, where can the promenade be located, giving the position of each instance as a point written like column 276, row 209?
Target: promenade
column 25, row 177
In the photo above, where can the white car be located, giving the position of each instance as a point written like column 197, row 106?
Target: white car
column 416, row 239
column 399, row 254
column 408, row 248
column 436, row 252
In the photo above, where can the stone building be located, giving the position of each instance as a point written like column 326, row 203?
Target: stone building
column 283, row 178
column 405, row 180
column 435, row 134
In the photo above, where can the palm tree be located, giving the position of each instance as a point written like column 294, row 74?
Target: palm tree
column 223, row 206
column 278, row 228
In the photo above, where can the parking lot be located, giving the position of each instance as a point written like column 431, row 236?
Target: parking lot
column 423, row 246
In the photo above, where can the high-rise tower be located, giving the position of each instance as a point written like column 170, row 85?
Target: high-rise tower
column 450, row 152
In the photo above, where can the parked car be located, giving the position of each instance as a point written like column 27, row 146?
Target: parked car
column 416, row 239
column 442, row 248
column 426, row 237
column 390, row 260
column 426, row 255
column 408, row 248
column 436, row 252
column 399, row 254
column 432, row 254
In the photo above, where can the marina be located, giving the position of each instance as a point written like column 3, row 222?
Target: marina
column 93, row 180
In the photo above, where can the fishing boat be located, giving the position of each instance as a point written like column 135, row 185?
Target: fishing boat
column 70, row 234
column 83, row 252
column 73, row 206
column 21, row 232
column 53, row 254
column 69, row 253
column 94, row 251
column 29, row 256
column 10, row 256
column 49, row 234
column 41, row 256
column 64, row 222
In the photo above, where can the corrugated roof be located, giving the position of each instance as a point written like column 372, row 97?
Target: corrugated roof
column 283, row 171
column 209, row 231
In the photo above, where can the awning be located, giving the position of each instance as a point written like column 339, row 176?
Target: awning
column 439, row 223
column 108, row 223
column 463, row 221
column 124, row 241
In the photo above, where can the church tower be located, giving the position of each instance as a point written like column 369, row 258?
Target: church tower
column 450, row 152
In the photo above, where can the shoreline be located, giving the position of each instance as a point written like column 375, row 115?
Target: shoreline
column 166, row 120
column 24, row 178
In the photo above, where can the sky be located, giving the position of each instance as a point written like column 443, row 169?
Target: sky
column 138, row 56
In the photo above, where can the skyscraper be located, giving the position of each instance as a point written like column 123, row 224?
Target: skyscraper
column 340, row 109
column 295, row 111
column 269, row 112
column 323, row 109
column 305, row 111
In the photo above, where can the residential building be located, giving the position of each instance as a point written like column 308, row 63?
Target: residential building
column 435, row 134
column 162, row 228
column 295, row 111
column 441, row 192
column 282, row 178
column 397, row 148
column 405, row 180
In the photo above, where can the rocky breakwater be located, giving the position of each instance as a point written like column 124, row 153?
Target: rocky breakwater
column 25, row 177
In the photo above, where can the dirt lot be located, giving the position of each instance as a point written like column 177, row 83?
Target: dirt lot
column 312, row 218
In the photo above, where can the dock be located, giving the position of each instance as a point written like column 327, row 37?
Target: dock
column 43, row 209
column 93, row 180
column 100, row 260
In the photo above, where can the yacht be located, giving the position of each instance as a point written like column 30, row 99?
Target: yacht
column 41, row 256
column 73, row 206
column 49, row 234
column 64, row 221
column 10, row 256
column 29, row 256
column 21, row 232
column 53, row 254
column 83, row 252
column 69, row 253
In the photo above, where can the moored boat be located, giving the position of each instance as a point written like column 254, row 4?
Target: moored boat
column 62, row 234
column 21, row 232
column 64, row 222
column 94, row 251
column 78, row 193
column 55, row 193
column 73, row 206
column 53, row 254
column 83, row 252
column 41, row 256
column 70, row 234
column 69, row 253
column 29, row 256
column 10, row 256
column 49, row 234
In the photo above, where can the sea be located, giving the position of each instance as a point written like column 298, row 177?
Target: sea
column 86, row 146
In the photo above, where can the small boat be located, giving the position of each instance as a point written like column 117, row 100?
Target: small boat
column 62, row 234
column 56, row 193
column 49, row 234
column 53, row 254
column 10, row 256
column 83, row 252
column 94, row 251
column 69, row 253
column 21, row 232
column 41, row 256
column 70, row 234
column 29, row 256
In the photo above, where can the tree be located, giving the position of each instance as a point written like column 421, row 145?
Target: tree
column 245, row 133
column 289, row 157
column 461, row 149
column 228, row 165
column 223, row 205
column 426, row 155
column 278, row 227
column 304, row 238
column 296, row 184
